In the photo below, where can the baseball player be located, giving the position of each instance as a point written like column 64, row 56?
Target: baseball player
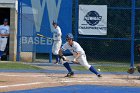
column 78, row 54
column 56, row 41
column 4, row 33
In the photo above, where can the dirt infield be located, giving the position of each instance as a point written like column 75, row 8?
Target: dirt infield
column 22, row 81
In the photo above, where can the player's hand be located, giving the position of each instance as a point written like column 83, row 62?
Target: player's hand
column 75, row 61
column 64, row 58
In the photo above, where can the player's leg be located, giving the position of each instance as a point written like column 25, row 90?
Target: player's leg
column 83, row 62
column 55, row 49
column 67, row 66
column 57, row 58
column 58, row 46
column 1, row 52
column 0, row 48
column 3, row 42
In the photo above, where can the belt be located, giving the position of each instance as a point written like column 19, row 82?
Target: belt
column 3, row 37
column 56, row 40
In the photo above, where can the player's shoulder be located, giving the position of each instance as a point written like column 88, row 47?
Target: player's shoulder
column 75, row 43
column 7, row 26
column 58, row 28
column 4, row 26
column 1, row 26
column 65, row 43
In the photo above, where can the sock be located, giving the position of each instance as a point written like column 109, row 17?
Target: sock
column 67, row 66
column 92, row 69
column 57, row 58
column 1, row 52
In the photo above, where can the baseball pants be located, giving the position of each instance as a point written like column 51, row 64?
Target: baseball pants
column 56, row 46
column 3, row 42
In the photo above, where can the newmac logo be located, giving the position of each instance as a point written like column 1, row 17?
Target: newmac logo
column 92, row 18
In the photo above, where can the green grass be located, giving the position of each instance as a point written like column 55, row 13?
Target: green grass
column 13, row 65
column 104, row 68
column 2, row 81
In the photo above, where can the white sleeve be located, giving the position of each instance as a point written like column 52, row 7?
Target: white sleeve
column 58, row 30
column 0, row 29
column 78, row 48
column 8, row 30
column 64, row 47
column 54, row 31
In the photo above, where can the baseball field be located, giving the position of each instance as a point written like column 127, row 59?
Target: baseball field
column 35, row 77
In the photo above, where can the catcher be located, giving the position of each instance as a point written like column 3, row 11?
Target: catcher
column 78, row 55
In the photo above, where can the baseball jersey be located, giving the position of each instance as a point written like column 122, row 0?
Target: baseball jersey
column 57, row 33
column 4, row 29
column 74, row 48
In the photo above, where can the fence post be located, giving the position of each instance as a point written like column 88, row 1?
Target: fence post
column 50, row 57
column 18, row 32
column 132, row 32
column 76, row 18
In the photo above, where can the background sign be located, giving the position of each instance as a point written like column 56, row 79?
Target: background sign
column 37, row 17
column 92, row 20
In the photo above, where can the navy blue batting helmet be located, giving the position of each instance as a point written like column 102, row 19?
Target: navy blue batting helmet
column 54, row 23
column 5, row 20
column 69, row 36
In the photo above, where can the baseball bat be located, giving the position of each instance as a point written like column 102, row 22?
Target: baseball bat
column 43, row 36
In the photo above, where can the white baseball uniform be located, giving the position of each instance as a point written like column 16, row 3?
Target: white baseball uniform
column 3, row 39
column 74, row 49
column 57, row 34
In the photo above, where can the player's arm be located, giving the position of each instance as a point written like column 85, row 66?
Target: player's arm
column 63, row 48
column 7, row 33
column 61, row 55
column 76, row 56
column 77, row 52
column 60, row 52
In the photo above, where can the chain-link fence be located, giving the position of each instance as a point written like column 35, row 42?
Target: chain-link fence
column 118, row 46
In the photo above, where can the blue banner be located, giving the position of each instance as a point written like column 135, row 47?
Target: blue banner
column 37, row 17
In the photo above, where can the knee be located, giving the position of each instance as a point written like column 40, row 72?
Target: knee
column 87, row 66
column 55, row 52
column 63, row 62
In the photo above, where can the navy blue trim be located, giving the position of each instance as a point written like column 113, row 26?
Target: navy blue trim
column 76, row 18
column 133, row 32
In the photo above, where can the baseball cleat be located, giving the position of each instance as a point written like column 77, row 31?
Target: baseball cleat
column 57, row 63
column 99, row 75
column 70, row 74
